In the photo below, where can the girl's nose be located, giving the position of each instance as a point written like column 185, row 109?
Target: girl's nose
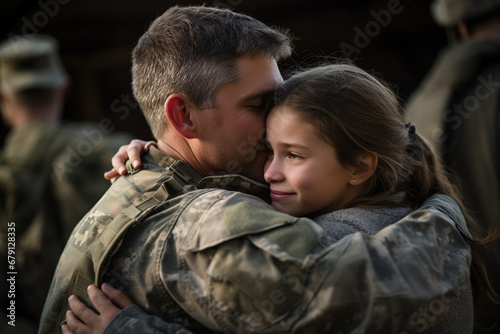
column 272, row 171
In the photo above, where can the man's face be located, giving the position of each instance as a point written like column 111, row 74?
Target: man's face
column 232, row 130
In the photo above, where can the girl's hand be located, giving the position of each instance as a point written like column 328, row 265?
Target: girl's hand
column 131, row 152
column 108, row 302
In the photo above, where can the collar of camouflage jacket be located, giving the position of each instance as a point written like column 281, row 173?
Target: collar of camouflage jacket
column 235, row 182
column 231, row 182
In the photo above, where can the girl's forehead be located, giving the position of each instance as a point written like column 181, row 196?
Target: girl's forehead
column 284, row 121
column 282, row 112
column 282, row 115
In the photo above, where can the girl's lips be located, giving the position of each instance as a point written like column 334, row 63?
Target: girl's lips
column 280, row 194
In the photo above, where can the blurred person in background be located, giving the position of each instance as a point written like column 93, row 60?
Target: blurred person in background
column 456, row 108
column 50, row 172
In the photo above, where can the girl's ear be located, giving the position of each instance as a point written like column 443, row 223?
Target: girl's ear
column 367, row 163
column 179, row 111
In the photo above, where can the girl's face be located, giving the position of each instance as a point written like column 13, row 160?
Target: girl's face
column 305, row 176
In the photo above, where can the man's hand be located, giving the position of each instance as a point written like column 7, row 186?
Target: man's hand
column 131, row 152
column 82, row 320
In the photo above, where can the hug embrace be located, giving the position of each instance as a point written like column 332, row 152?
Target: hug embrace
column 358, row 228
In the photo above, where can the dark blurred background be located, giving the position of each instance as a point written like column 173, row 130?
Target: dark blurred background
column 396, row 39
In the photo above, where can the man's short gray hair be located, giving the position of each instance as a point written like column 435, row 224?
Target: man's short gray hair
column 193, row 51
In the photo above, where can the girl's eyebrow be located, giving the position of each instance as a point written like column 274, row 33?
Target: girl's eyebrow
column 293, row 145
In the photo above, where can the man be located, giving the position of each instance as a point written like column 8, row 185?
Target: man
column 457, row 109
column 50, row 173
column 196, row 249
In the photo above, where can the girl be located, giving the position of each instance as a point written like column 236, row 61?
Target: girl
column 341, row 153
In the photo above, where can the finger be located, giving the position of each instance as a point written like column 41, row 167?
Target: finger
column 74, row 325
column 81, row 311
column 134, row 151
column 119, row 298
column 101, row 301
column 110, row 175
column 118, row 160
column 65, row 329
column 149, row 144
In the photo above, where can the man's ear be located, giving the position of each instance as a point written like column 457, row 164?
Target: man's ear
column 366, row 165
column 180, row 114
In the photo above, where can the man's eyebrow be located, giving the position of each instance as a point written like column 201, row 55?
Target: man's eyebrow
column 264, row 94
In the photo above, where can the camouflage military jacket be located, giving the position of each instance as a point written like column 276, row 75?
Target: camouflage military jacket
column 218, row 260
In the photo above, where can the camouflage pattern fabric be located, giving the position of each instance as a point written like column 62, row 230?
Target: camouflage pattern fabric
column 226, row 261
column 278, row 277
column 124, row 205
column 50, row 176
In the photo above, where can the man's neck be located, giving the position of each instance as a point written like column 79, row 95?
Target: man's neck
column 179, row 149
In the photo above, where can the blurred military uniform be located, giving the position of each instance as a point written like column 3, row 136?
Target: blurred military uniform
column 51, row 174
column 208, row 255
column 457, row 108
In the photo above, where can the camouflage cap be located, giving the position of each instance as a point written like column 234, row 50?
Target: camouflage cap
column 448, row 13
column 30, row 61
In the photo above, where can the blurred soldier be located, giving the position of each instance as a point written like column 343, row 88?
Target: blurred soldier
column 50, row 172
column 457, row 108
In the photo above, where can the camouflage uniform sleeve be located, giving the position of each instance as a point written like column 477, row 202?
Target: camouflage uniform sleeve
column 247, row 268
column 133, row 319
column 241, row 267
